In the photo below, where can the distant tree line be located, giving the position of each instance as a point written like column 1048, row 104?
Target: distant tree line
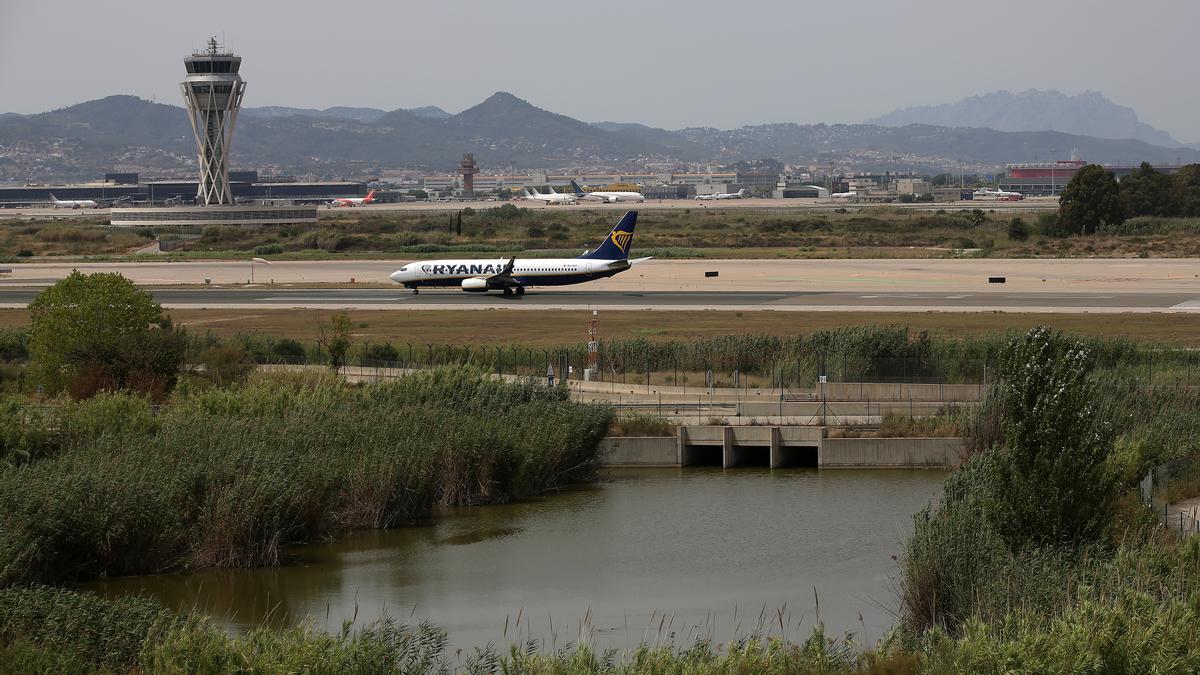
column 1094, row 198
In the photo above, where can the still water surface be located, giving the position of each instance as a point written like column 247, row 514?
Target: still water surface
column 644, row 554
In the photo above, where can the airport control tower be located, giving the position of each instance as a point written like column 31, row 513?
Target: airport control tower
column 213, row 92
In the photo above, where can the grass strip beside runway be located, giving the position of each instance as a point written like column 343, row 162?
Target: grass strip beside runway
column 552, row 327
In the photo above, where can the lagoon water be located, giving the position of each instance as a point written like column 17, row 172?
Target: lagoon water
column 646, row 554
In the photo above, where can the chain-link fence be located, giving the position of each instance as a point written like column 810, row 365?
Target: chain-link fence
column 1167, row 488
column 647, row 365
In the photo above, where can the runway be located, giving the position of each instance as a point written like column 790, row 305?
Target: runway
column 378, row 298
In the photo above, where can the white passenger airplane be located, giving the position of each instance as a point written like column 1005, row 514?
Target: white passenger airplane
column 843, row 195
column 551, row 198
column 353, row 201
column 607, row 196
column 740, row 194
column 985, row 194
column 73, row 203
column 510, row 276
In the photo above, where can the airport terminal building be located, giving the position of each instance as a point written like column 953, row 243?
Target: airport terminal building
column 126, row 189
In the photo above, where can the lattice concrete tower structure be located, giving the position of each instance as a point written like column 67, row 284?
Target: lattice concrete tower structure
column 213, row 93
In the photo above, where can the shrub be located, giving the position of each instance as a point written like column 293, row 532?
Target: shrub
column 1018, row 230
column 288, row 351
column 381, row 352
column 226, row 364
column 268, row 249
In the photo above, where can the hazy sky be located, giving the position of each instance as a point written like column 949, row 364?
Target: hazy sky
column 664, row 63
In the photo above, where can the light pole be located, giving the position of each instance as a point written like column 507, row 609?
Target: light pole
column 1053, row 163
column 253, row 262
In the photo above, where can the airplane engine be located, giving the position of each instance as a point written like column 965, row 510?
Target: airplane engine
column 475, row 285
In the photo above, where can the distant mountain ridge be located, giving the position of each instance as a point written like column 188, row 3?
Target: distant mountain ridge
column 1086, row 114
column 127, row 133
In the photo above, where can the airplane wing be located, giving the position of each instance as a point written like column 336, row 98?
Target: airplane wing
column 640, row 260
column 503, row 277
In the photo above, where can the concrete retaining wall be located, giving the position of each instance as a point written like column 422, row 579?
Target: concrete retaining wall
column 891, row 452
column 838, row 408
column 639, row 451
column 778, row 446
column 899, row 391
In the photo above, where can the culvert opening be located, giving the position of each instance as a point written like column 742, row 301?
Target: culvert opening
column 751, row 456
column 802, row 457
column 705, row 455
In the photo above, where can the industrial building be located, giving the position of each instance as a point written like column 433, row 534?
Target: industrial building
column 1046, row 179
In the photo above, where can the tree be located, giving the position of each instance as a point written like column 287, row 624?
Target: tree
column 96, row 332
column 1053, row 480
column 1146, row 192
column 1186, row 191
column 334, row 337
column 1090, row 199
column 1018, row 230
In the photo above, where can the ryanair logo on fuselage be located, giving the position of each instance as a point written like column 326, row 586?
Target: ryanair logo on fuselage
column 620, row 238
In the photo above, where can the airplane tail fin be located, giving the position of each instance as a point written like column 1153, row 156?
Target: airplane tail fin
column 616, row 246
column 576, row 189
column 53, row 198
column 370, row 196
column 551, row 188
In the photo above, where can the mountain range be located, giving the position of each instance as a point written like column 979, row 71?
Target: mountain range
column 127, row 133
column 1086, row 114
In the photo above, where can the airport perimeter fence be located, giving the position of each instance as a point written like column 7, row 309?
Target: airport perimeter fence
column 1163, row 488
column 633, row 363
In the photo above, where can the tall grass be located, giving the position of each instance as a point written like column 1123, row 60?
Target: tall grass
column 226, row 478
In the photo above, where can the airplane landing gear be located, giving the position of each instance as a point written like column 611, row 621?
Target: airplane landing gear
column 416, row 291
column 508, row 292
column 520, row 291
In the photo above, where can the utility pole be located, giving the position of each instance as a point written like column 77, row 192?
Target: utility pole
column 1053, row 163
column 593, row 347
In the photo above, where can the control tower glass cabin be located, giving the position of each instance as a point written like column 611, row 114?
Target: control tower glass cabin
column 213, row 93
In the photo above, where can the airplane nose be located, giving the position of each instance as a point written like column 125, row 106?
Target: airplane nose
column 397, row 276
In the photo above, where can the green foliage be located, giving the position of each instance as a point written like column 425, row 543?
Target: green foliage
column 30, row 432
column 1045, row 491
column 1054, row 483
column 1089, row 200
column 14, row 344
column 288, row 350
column 99, row 331
column 1018, row 230
column 334, row 338
column 46, row 629
column 226, row 364
column 54, row 630
column 380, row 352
column 227, row 477
column 268, row 249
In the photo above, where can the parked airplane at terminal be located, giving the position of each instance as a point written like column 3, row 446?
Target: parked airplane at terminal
column 551, row 198
column 607, row 196
column 354, row 201
column 843, row 195
column 73, row 203
column 984, row 194
column 740, row 194
column 513, row 276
